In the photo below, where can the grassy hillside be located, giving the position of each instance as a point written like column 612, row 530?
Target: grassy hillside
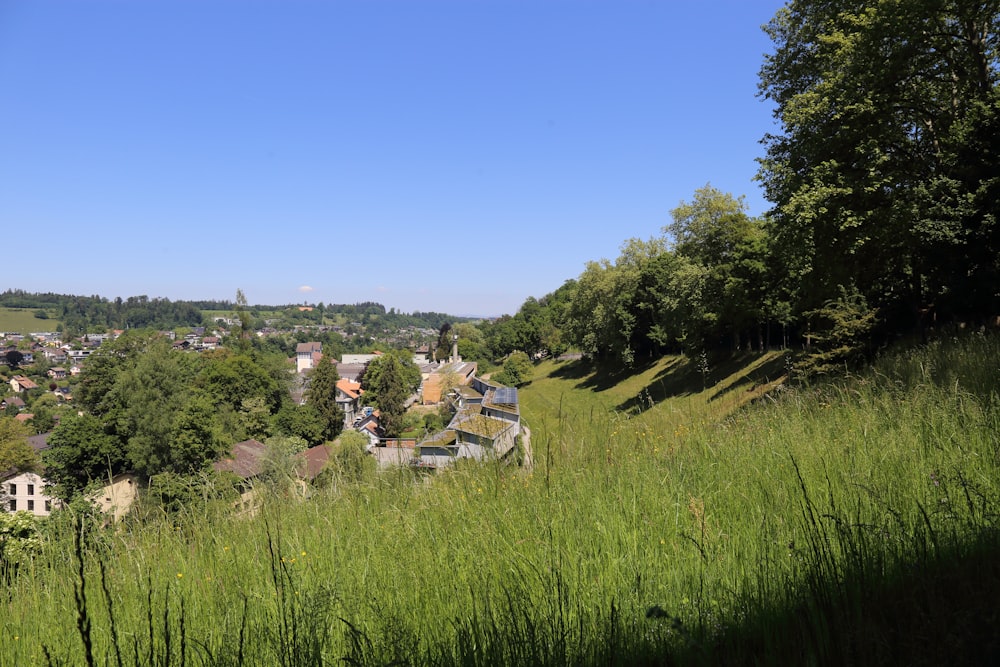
column 23, row 321
column 666, row 520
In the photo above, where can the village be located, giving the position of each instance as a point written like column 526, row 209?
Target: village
column 485, row 419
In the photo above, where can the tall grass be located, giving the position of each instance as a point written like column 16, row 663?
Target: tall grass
column 844, row 523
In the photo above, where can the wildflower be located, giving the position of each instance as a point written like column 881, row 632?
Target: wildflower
column 303, row 553
column 180, row 575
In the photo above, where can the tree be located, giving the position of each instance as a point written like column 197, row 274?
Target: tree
column 321, row 396
column 443, row 348
column 232, row 378
column 517, row 370
column 715, row 231
column 15, row 452
column 884, row 174
column 195, row 437
column 244, row 318
column 14, row 359
column 385, row 389
column 81, row 451
column 301, row 421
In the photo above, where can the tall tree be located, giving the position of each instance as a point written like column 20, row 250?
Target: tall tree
column 321, row 395
column 387, row 390
column 884, row 173
column 715, row 231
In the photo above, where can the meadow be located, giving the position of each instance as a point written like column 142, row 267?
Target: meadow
column 679, row 514
column 23, row 321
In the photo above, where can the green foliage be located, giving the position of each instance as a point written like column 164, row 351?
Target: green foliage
column 846, row 325
column 816, row 526
column 517, row 370
column 388, row 380
column 81, row 451
column 186, row 495
column 15, row 452
column 321, row 396
column 13, row 359
column 20, row 542
column 884, row 172
column 301, row 421
column 349, row 461
column 279, row 465
column 232, row 378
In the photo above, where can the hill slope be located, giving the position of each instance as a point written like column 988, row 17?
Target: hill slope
column 849, row 523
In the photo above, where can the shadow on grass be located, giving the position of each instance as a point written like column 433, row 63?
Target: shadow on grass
column 599, row 376
column 729, row 373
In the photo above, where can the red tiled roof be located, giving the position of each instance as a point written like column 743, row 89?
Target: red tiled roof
column 351, row 389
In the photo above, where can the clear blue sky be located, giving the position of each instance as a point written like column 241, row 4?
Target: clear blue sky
column 456, row 156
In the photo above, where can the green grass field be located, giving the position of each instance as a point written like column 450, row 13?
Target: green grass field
column 671, row 517
column 23, row 321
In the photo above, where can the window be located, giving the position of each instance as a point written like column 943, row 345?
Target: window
column 13, row 489
column 31, row 489
column 31, row 505
column 48, row 505
column 13, row 505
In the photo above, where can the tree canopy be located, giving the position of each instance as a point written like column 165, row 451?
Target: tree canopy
column 884, row 174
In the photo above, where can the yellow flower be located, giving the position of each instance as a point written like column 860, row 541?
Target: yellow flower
column 303, row 553
column 180, row 575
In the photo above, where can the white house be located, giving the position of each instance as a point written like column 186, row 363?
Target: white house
column 25, row 492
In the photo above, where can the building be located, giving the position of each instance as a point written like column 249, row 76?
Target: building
column 307, row 355
column 25, row 492
column 486, row 426
column 445, row 378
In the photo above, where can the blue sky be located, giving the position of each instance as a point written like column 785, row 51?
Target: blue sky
column 454, row 156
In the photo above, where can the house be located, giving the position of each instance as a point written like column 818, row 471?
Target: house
column 349, row 398
column 454, row 374
column 485, row 427
column 20, row 383
column 307, row 355
column 55, row 355
column 25, row 492
column 310, row 463
column 116, row 497
column 393, row 452
column 246, row 460
column 15, row 401
column 57, row 373
column 369, row 425
column 358, row 359
column 78, row 355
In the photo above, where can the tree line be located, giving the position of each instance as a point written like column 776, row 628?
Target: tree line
column 884, row 181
